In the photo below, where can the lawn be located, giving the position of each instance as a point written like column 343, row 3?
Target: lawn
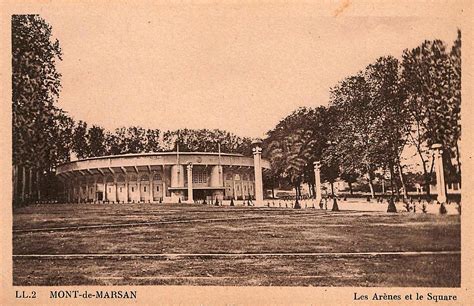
column 317, row 246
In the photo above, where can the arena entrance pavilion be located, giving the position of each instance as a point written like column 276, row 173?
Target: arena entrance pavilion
column 169, row 177
column 209, row 193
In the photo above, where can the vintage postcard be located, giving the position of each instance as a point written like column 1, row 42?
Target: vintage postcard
column 236, row 153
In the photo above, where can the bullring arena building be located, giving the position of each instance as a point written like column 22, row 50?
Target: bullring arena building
column 169, row 177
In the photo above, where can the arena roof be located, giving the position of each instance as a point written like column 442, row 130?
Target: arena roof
column 153, row 161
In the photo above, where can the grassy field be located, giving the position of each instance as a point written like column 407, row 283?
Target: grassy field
column 164, row 244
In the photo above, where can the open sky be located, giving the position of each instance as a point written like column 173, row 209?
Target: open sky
column 233, row 67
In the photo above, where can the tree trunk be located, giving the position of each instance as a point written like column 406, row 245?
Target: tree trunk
column 350, row 188
column 15, row 184
column 30, row 184
column 397, row 187
column 425, row 172
column 332, row 189
column 417, row 142
column 458, row 160
column 38, row 185
column 427, row 184
column 391, row 179
column 426, row 175
column 402, row 181
column 23, row 185
column 273, row 192
column 371, row 185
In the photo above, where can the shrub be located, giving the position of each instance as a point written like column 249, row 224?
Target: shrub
column 391, row 206
column 442, row 209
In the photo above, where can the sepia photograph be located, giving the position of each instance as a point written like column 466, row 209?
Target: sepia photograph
column 235, row 145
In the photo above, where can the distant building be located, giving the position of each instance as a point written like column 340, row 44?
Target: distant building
column 451, row 188
column 339, row 186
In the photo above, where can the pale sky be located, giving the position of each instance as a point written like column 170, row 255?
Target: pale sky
column 240, row 69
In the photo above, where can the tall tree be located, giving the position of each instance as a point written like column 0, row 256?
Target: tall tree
column 357, row 122
column 389, row 104
column 96, row 141
column 431, row 80
column 113, row 145
column 80, row 145
column 153, row 140
column 35, row 88
column 295, row 143
column 61, row 138
column 135, row 139
column 455, row 87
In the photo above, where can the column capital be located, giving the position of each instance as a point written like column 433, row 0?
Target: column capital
column 257, row 150
column 190, row 165
column 438, row 149
column 317, row 165
column 257, row 146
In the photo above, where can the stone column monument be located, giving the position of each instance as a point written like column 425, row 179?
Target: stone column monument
column 190, row 183
column 317, row 181
column 257, row 165
column 440, row 183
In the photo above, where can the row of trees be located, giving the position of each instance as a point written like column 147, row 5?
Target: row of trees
column 373, row 117
column 96, row 141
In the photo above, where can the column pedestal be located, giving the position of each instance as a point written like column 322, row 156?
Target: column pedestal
column 190, row 183
column 257, row 158
column 317, row 182
column 440, row 182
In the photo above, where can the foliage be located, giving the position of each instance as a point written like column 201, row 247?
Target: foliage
column 96, row 141
column 35, row 89
column 152, row 143
column 432, row 82
column 295, row 143
column 205, row 140
column 80, row 146
column 41, row 132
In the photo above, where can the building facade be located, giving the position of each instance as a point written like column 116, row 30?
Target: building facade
column 169, row 177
